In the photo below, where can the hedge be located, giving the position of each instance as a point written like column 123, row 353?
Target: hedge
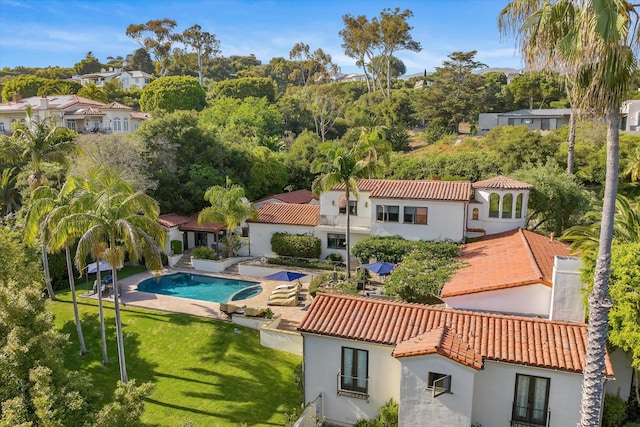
column 296, row 245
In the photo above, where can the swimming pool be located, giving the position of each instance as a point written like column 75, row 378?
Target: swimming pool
column 200, row 287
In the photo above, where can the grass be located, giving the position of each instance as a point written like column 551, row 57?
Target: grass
column 206, row 372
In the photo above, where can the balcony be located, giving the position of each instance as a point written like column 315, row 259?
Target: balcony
column 340, row 221
column 353, row 387
column 523, row 416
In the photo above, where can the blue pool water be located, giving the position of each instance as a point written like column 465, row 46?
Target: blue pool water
column 200, row 287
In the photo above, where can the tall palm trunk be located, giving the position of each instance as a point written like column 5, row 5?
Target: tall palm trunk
column 571, row 140
column 348, row 234
column 47, row 275
column 599, row 299
column 72, row 286
column 120, row 340
column 103, row 336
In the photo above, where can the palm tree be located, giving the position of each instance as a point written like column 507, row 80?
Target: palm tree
column 47, row 207
column 230, row 207
column 342, row 165
column 632, row 169
column 596, row 40
column 109, row 211
column 97, row 253
column 10, row 197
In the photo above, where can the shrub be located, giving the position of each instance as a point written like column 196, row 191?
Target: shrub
column 164, row 258
column 334, row 257
column 615, row 411
column 296, row 245
column 236, row 245
column 176, row 247
column 204, row 252
column 388, row 417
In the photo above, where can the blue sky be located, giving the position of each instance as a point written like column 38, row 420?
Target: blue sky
column 39, row 33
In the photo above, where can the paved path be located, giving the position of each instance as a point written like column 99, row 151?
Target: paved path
column 131, row 296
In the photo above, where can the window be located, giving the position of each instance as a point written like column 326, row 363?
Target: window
column 336, row 241
column 354, row 375
column 413, row 215
column 386, row 213
column 71, row 124
column 117, row 125
column 527, row 121
column 439, row 383
column 514, row 122
column 519, row 206
column 475, row 214
column 531, row 400
column 96, row 125
column 2, row 127
column 125, row 123
column 545, row 124
column 125, row 82
column 353, row 207
column 494, row 205
column 507, row 204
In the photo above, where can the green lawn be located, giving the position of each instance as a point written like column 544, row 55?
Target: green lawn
column 207, row 372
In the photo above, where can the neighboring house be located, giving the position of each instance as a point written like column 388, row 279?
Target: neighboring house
column 520, row 272
column 73, row 112
column 189, row 232
column 299, row 197
column 537, row 119
column 128, row 79
column 426, row 210
column 630, row 116
column 448, row 366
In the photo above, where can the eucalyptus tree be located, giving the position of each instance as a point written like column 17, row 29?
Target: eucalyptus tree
column 230, row 207
column 359, row 41
column 203, row 43
column 342, row 165
column 597, row 41
column 155, row 36
column 109, row 211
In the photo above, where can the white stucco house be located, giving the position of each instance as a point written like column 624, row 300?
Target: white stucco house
column 73, row 112
column 134, row 79
column 450, row 367
column 543, row 119
column 426, row 210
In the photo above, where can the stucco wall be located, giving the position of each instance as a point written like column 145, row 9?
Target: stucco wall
column 322, row 359
column 526, row 300
column 494, row 390
column 497, row 225
column 260, row 236
column 567, row 300
column 417, row 402
column 623, row 372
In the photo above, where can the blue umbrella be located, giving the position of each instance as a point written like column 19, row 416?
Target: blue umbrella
column 286, row 276
column 380, row 268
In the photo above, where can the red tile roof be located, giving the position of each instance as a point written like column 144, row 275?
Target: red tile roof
column 300, row 197
column 172, row 219
column 512, row 339
column 288, row 213
column 414, row 190
column 505, row 260
column 502, row 182
column 440, row 341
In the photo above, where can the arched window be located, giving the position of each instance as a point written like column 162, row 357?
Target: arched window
column 475, row 213
column 507, row 205
column 494, row 205
column 519, row 206
column 117, row 125
column 125, row 124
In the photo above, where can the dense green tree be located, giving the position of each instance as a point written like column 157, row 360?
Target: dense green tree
column 250, row 117
column 497, row 97
column 127, row 407
column 141, row 60
column 92, row 91
column 246, row 87
column 230, row 207
column 360, row 40
column 517, row 145
column 155, row 36
column 55, row 73
column 9, row 195
column 25, row 86
column 59, row 87
column 88, row 65
column 296, row 118
column 455, row 94
column 299, row 158
column 557, row 201
column 469, row 165
column 572, row 34
column 311, row 66
column 173, row 93
column 203, row 44
column 535, row 89
column 268, row 174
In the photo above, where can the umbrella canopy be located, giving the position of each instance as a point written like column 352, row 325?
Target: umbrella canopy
column 380, row 268
column 93, row 267
column 286, row 276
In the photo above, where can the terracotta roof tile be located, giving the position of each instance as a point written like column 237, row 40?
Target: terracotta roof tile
column 513, row 339
column 502, row 182
column 440, row 341
column 414, row 190
column 288, row 213
column 173, row 219
column 117, row 106
column 505, row 260
column 188, row 223
column 300, row 197
column 140, row 115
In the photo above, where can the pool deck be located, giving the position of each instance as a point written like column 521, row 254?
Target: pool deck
column 132, row 297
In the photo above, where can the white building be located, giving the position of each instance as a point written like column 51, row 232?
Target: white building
column 73, row 112
column 426, row 210
column 128, row 79
column 451, row 367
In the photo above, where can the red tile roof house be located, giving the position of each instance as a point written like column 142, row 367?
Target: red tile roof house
column 427, row 210
column 299, row 197
column 444, row 367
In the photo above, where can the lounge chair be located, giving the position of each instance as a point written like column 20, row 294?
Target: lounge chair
column 254, row 311
column 230, row 308
column 288, row 302
column 283, row 293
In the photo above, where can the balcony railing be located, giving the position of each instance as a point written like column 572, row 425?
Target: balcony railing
column 527, row 417
column 341, row 221
column 353, row 386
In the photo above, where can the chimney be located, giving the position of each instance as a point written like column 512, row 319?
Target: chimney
column 44, row 102
column 552, row 237
column 17, row 97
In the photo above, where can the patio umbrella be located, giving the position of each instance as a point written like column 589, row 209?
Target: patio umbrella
column 286, row 276
column 93, row 267
column 380, row 268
